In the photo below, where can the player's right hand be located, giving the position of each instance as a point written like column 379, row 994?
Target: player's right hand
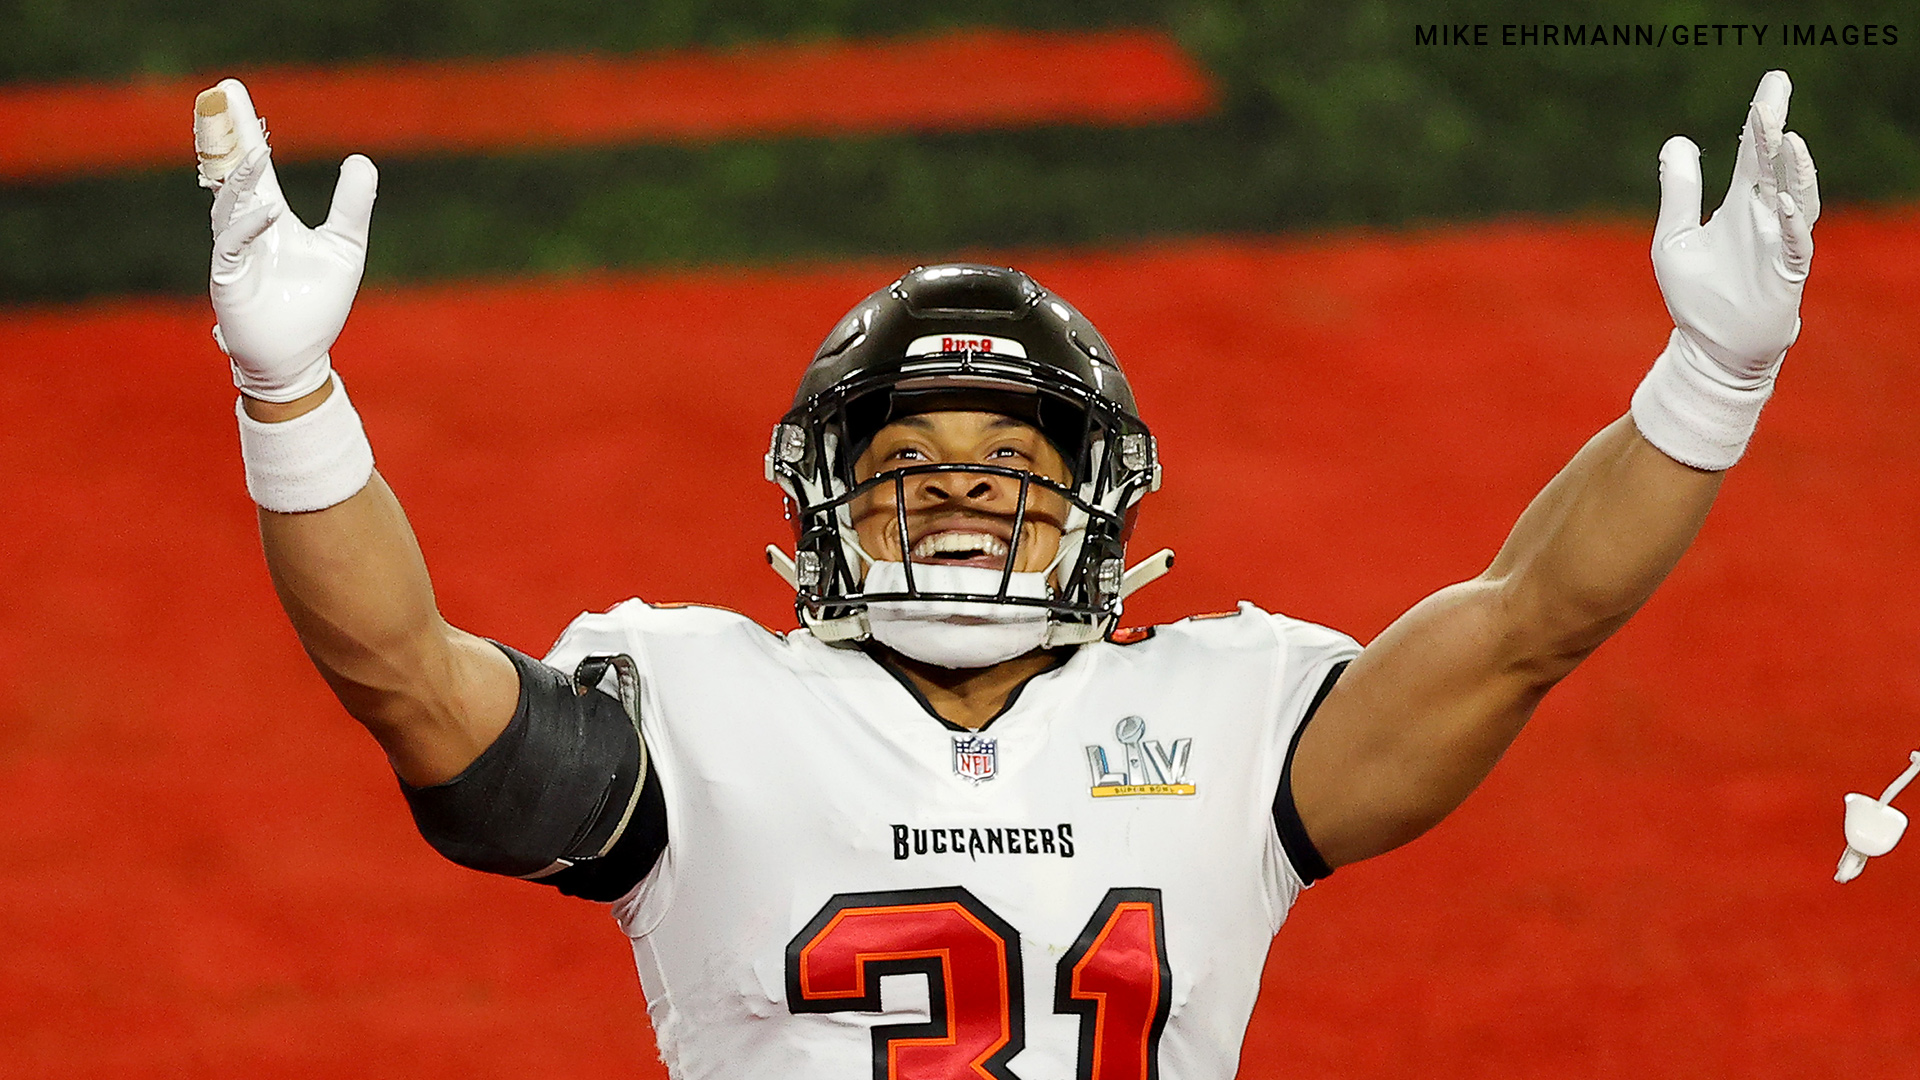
column 281, row 291
column 1733, row 285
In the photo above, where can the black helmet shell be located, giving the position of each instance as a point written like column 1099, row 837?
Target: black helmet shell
column 963, row 300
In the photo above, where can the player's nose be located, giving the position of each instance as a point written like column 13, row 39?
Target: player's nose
column 961, row 487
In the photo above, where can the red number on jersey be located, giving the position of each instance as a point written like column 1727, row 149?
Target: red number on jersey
column 1116, row 977
column 971, row 960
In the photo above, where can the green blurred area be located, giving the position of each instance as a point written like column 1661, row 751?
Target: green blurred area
column 1333, row 115
column 104, row 39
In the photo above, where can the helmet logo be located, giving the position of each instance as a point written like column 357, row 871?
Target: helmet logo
column 937, row 344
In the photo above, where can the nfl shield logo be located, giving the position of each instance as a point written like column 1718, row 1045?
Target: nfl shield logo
column 973, row 757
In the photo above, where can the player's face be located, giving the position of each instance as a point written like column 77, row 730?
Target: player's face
column 961, row 518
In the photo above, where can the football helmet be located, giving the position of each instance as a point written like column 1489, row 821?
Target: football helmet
column 977, row 338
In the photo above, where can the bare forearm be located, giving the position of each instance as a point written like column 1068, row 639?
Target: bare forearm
column 355, row 586
column 356, row 590
column 1596, row 542
column 1431, row 705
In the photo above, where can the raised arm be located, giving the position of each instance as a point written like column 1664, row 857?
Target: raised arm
column 1428, row 708
column 355, row 587
column 343, row 558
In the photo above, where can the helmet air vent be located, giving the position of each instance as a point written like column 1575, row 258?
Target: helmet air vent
column 851, row 331
column 968, row 292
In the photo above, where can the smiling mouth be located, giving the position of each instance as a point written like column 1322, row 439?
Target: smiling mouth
column 960, row 547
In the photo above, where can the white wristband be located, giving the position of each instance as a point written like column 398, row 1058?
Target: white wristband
column 1693, row 411
column 307, row 463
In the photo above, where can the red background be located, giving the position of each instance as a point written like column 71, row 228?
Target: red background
column 207, row 868
column 911, row 84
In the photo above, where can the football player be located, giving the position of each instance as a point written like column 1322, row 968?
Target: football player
column 953, row 773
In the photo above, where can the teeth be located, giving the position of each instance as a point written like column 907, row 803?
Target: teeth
column 960, row 541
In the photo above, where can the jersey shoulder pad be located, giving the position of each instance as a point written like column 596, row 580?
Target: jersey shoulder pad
column 678, row 617
column 1308, row 639
column 1246, row 626
column 1247, row 629
column 1230, row 637
column 627, row 626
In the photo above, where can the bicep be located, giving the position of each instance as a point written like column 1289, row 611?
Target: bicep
column 455, row 695
column 1431, row 705
column 354, row 584
column 1417, row 721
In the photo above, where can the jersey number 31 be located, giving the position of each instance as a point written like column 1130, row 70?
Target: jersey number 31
column 1115, row 979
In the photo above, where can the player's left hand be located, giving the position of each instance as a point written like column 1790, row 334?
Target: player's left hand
column 1733, row 285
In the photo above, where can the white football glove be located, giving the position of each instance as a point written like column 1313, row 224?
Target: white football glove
column 1733, row 285
column 281, row 291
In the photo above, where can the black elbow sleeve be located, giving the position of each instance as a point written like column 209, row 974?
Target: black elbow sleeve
column 564, row 795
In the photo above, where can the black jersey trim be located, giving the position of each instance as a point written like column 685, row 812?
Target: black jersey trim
column 1305, row 857
column 883, row 658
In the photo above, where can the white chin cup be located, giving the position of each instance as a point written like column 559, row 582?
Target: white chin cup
column 956, row 633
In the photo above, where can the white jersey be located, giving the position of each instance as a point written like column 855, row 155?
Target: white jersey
column 852, row 888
